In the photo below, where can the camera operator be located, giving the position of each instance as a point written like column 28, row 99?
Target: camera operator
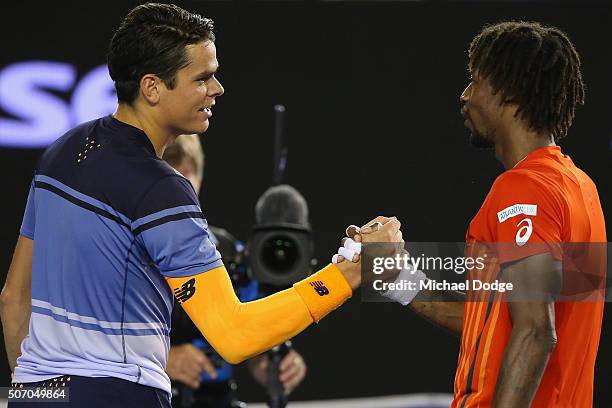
column 200, row 377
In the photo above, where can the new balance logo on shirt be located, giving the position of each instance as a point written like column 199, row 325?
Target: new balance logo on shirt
column 186, row 291
column 320, row 288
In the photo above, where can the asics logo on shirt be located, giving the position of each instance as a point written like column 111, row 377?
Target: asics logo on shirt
column 186, row 291
column 320, row 288
column 523, row 234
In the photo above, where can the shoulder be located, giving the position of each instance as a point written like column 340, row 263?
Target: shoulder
column 524, row 191
column 61, row 147
column 118, row 171
column 521, row 183
column 515, row 178
column 166, row 189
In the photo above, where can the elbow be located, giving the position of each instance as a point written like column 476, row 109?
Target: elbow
column 544, row 338
column 230, row 343
column 548, row 340
column 232, row 352
column 6, row 299
column 232, row 357
column 10, row 298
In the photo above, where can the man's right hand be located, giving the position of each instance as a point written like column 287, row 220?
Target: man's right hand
column 186, row 363
column 389, row 231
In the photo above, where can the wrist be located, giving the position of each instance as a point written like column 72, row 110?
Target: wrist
column 351, row 273
column 324, row 291
column 406, row 286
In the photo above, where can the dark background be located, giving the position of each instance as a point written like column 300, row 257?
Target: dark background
column 371, row 90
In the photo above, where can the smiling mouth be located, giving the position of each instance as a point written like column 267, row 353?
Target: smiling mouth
column 207, row 110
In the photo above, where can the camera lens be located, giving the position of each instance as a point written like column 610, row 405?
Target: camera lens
column 279, row 253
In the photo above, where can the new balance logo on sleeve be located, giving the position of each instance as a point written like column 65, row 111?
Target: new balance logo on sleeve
column 186, row 291
column 320, row 288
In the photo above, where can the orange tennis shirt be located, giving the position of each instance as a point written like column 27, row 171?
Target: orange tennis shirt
column 545, row 198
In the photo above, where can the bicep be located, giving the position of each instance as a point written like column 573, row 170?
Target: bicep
column 536, row 284
column 19, row 279
column 210, row 302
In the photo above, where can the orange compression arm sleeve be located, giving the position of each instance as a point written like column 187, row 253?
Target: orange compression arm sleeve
column 238, row 330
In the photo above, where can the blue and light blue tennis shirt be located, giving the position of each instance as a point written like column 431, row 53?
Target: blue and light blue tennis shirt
column 109, row 220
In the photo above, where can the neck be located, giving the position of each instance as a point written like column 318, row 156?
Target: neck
column 516, row 143
column 159, row 136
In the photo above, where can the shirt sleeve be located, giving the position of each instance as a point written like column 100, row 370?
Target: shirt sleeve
column 29, row 217
column 172, row 229
column 526, row 217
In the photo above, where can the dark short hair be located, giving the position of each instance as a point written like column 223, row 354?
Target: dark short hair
column 151, row 40
column 535, row 66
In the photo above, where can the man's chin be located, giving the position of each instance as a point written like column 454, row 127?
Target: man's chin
column 480, row 142
column 205, row 126
column 200, row 127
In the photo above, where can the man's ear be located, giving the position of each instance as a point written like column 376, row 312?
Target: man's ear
column 510, row 107
column 150, row 88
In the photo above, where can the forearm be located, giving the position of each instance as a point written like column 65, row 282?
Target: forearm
column 442, row 308
column 15, row 314
column 248, row 329
column 522, row 367
column 241, row 330
column 16, row 299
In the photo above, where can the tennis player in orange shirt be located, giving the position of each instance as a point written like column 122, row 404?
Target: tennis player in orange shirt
column 526, row 83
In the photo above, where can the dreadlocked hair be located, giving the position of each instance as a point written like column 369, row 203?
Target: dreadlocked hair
column 534, row 66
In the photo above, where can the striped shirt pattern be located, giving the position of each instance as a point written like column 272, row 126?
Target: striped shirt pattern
column 109, row 221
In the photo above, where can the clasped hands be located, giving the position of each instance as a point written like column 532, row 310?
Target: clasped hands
column 379, row 230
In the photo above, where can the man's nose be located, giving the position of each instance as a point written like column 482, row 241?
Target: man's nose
column 465, row 95
column 217, row 88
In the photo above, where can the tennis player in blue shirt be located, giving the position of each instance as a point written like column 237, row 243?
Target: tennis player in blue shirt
column 111, row 234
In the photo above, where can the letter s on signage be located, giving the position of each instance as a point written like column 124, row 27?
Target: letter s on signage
column 524, row 233
column 42, row 117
